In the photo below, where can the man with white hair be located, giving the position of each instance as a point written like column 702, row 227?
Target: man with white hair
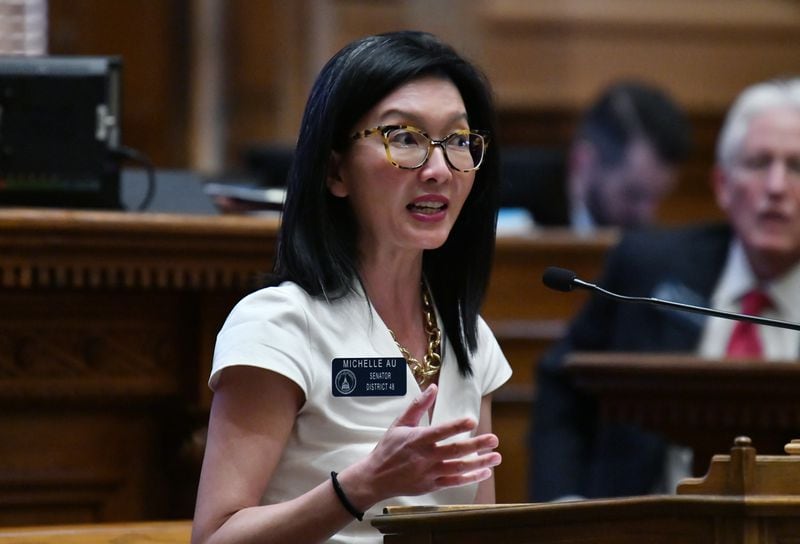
column 749, row 265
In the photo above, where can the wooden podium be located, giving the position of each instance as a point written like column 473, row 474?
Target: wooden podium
column 695, row 402
column 746, row 498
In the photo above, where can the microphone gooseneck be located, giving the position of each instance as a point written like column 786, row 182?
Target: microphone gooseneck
column 561, row 279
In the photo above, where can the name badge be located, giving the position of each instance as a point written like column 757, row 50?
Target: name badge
column 368, row 377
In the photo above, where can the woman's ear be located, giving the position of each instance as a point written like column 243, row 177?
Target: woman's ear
column 336, row 184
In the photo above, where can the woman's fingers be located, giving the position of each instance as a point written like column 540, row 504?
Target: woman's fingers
column 466, row 465
column 420, row 405
column 464, row 479
column 481, row 443
column 414, row 460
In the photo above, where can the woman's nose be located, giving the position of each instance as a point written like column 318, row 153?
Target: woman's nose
column 436, row 168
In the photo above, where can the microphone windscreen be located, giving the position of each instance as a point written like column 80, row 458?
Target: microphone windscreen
column 559, row 279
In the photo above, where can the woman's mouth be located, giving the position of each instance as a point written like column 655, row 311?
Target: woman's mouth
column 430, row 208
column 427, row 207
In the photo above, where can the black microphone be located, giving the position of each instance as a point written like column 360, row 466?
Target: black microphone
column 561, row 279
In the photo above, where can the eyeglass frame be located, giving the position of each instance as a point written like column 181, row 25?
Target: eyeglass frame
column 384, row 130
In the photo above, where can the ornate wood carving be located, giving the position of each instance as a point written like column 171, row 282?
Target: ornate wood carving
column 106, row 332
column 107, row 250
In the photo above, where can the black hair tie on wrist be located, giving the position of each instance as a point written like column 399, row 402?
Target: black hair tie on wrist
column 344, row 500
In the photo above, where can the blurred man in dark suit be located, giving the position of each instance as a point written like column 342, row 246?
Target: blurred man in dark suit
column 749, row 265
column 620, row 166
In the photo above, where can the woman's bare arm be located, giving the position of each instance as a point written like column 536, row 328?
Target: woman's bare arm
column 251, row 419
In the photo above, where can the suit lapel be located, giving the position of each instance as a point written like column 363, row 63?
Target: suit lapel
column 691, row 281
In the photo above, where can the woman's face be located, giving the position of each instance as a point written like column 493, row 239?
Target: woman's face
column 401, row 210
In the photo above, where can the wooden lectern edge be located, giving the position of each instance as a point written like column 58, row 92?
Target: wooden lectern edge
column 740, row 478
column 426, row 509
column 672, row 363
column 744, row 473
column 410, row 519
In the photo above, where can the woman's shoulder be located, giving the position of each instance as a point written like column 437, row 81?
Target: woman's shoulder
column 483, row 328
column 487, row 341
column 285, row 300
column 287, row 291
column 273, row 301
column 490, row 365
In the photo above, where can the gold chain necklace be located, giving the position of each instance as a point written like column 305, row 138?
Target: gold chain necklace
column 425, row 371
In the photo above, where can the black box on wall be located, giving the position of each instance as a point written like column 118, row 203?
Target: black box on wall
column 59, row 127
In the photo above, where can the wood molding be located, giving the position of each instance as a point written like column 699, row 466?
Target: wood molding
column 66, row 249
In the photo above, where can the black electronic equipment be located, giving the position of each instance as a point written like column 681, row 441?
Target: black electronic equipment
column 60, row 131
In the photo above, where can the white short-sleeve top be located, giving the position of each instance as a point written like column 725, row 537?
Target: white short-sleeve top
column 285, row 330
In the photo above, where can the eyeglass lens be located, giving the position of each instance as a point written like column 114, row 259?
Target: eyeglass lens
column 409, row 149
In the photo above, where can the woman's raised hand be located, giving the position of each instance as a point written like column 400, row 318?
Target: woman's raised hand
column 413, row 460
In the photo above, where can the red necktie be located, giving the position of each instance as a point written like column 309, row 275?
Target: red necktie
column 744, row 342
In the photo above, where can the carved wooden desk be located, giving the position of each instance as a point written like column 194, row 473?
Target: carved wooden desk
column 107, row 326
column 107, row 321
column 696, row 402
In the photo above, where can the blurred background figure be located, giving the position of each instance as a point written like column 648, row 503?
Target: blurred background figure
column 749, row 264
column 622, row 162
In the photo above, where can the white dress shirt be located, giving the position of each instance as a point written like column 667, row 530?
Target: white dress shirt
column 737, row 279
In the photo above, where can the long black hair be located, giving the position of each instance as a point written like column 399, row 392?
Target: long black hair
column 317, row 247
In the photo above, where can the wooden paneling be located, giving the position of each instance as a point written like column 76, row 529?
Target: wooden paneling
column 98, row 300
column 151, row 36
column 527, row 318
column 694, row 401
column 516, row 290
column 107, row 335
column 547, row 60
column 559, row 53
column 267, row 71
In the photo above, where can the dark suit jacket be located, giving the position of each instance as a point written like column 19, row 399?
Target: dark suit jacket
column 573, row 452
column 534, row 178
